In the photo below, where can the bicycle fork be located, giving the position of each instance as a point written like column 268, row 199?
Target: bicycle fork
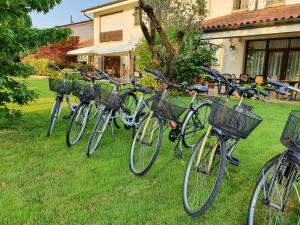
column 201, row 152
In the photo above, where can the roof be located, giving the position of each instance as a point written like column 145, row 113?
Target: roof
column 256, row 18
column 103, row 5
column 121, row 50
column 77, row 23
column 86, row 43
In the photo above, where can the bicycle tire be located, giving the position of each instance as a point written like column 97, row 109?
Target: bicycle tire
column 207, row 202
column 91, row 148
column 54, row 115
column 203, row 122
column 155, row 153
column 79, row 112
column 269, row 169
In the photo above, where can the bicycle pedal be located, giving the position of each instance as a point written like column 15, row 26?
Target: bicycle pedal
column 234, row 161
column 178, row 154
column 203, row 171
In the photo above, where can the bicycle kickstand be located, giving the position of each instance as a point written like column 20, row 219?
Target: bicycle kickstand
column 178, row 150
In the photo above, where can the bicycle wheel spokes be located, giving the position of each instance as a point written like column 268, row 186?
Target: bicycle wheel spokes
column 78, row 124
column 146, row 145
column 98, row 131
column 276, row 202
column 196, row 125
column 203, row 175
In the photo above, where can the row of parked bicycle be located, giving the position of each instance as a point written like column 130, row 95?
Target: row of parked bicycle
column 210, row 127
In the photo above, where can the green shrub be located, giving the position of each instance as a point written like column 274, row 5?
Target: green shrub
column 149, row 81
column 40, row 66
column 79, row 65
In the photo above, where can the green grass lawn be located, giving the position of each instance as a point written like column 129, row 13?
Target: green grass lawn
column 44, row 182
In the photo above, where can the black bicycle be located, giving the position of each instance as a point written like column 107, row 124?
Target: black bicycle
column 276, row 198
column 62, row 88
column 168, row 109
column 84, row 91
column 207, row 164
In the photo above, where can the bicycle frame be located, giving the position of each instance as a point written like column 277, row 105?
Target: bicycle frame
column 130, row 120
column 293, row 172
column 213, row 152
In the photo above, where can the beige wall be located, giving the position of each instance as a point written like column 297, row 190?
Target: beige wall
column 131, row 33
column 84, row 30
column 230, row 61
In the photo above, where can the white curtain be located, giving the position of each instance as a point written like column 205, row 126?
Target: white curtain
column 255, row 63
column 274, row 65
column 293, row 71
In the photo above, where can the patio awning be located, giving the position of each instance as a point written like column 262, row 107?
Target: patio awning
column 122, row 50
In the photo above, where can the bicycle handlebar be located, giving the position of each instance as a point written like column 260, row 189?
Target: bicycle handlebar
column 248, row 92
column 158, row 75
column 102, row 73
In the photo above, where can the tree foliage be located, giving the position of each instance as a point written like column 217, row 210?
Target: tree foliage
column 18, row 38
column 58, row 52
column 158, row 15
column 194, row 52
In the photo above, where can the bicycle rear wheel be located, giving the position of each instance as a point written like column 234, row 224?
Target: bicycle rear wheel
column 203, row 177
column 271, row 208
column 54, row 115
column 195, row 124
column 146, row 144
column 98, row 131
column 77, row 124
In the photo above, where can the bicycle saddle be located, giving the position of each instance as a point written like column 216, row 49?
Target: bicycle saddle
column 199, row 88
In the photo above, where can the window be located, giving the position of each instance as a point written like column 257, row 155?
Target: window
column 240, row 4
column 137, row 20
column 111, row 36
column 256, row 58
column 276, row 59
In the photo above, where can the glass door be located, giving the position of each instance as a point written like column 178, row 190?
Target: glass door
column 275, row 65
column 293, row 66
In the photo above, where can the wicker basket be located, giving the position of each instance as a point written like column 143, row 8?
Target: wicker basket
column 235, row 121
column 104, row 95
column 291, row 133
column 83, row 89
column 59, row 85
column 168, row 106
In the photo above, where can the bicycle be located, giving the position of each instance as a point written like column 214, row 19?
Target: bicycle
column 84, row 91
column 276, row 199
column 62, row 88
column 147, row 141
column 118, row 105
column 206, row 167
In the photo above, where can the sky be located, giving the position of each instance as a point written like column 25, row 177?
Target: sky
column 61, row 14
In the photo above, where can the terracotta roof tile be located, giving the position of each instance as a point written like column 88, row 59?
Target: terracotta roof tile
column 236, row 19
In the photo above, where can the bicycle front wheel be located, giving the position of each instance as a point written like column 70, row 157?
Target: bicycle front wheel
column 204, row 174
column 98, row 132
column 276, row 198
column 146, row 144
column 54, row 115
column 77, row 124
column 195, row 124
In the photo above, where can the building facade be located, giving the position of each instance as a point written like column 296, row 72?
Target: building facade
column 116, row 32
column 85, row 31
column 257, row 37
